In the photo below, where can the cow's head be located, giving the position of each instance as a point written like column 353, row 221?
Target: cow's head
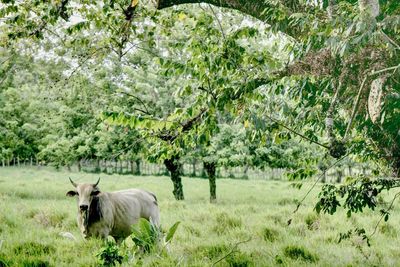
column 85, row 193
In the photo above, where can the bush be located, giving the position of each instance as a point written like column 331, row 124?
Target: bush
column 147, row 236
column 109, row 255
column 296, row 252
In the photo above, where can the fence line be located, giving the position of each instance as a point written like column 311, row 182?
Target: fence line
column 192, row 169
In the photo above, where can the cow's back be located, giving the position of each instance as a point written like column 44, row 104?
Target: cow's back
column 130, row 205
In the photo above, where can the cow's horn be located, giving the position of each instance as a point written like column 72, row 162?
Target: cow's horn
column 72, row 182
column 96, row 183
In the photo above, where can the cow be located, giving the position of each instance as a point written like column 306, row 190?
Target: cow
column 102, row 214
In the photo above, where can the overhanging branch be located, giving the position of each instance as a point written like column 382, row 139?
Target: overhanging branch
column 186, row 126
column 261, row 10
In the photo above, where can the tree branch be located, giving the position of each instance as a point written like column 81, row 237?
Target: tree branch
column 296, row 133
column 186, row 126
column 315, row 183
column 383, row 215
column 140, row 101
column 261, row 10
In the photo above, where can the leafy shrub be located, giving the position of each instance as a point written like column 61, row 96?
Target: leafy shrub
column 148, row 236
column 296, row 252
column 269, row 235
column 109, row 255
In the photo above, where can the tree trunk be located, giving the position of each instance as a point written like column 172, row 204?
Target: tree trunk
column 339, row 176
column 210, row 168
column 97, row 168
column 194, row 167
column 138, row 170
column 174, row 168
column 79, row 165
column 115, row 167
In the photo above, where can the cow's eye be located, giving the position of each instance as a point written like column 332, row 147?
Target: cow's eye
column 95, row 193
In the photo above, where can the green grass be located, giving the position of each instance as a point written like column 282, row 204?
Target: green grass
column 34, row 211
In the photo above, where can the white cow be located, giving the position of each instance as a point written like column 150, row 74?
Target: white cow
column 101, row 214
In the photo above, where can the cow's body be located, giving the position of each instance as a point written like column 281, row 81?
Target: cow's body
column 113, row 213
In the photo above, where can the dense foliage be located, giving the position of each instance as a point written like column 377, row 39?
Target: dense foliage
column 180, row 80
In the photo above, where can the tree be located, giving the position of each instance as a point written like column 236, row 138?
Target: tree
column 343, row 62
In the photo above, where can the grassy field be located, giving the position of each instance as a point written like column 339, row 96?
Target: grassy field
column 34, row 211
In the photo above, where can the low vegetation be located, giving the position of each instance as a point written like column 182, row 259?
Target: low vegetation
column 246, row 227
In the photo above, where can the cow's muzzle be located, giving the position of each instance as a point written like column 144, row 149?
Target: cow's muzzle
column 83, row 207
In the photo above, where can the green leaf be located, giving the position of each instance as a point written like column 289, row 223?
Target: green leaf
column 386, row 218
column 172, row 231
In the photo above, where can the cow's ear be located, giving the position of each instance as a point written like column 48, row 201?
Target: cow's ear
column 71, row 193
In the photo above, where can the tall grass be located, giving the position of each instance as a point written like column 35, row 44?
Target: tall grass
column 34, row 213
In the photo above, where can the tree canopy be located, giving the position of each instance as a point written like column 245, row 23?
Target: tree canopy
column 326, row 72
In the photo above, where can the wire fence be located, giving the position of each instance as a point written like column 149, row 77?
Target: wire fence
column 190, row 169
